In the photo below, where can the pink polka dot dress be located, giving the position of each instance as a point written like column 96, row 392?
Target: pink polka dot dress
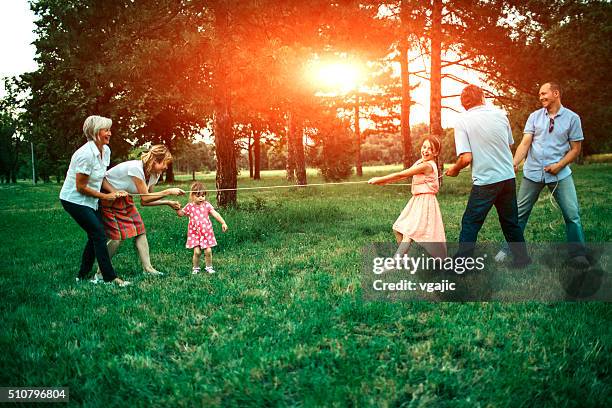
column 200, row 231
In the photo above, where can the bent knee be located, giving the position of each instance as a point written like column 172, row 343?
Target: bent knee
column 571, row 213
column 97, row 234
column 573, row 218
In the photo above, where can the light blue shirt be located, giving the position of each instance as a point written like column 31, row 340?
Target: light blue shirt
column 485, row 132
column 549, row 148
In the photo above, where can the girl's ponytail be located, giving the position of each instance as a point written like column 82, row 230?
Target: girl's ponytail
column 436, row 145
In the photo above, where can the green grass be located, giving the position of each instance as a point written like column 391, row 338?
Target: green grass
column 283, row 322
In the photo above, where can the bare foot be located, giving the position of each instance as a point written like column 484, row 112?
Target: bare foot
column 153, row 271
column 120, row 282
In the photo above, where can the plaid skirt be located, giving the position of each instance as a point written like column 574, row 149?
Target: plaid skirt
column 121, row 219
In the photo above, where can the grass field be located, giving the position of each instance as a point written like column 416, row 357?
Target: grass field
column 283, row 322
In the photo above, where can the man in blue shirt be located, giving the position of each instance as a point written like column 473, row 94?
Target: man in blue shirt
column 552, row 140
column 482, row 139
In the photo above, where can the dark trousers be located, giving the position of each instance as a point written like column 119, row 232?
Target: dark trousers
column 95, row 248
column 502, row 195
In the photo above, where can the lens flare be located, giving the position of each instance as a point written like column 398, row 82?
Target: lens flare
column 336, row 77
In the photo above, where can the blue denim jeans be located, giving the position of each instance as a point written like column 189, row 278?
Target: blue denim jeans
column 564, row 193
column 90, row 221
column 502, row 195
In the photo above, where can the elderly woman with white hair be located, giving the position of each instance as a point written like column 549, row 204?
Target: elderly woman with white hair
column 81, row 191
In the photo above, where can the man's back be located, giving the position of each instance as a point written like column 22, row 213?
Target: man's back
column 485, row 132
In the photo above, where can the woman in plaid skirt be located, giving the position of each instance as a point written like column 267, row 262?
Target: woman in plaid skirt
column 120, row 216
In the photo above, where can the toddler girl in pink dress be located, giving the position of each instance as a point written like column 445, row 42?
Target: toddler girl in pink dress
column 421, row 219
column 200, row 234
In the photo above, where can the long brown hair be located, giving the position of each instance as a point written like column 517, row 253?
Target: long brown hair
column 436, row 146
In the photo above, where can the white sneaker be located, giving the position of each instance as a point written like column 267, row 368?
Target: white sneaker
column 195, row 271
column 154, row 273
column 97, row 279
column 209, row 269
column 501, row 256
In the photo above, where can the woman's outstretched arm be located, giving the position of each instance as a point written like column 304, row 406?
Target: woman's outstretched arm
column 152, row 199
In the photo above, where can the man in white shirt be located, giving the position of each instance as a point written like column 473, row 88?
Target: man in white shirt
column 482, row 139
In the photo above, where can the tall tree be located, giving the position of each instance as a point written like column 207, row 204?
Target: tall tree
column 223, row 125
column 136, row 62
column 473, row 35
column 295, row 145
column 435, row 104
column 568, row 42
column 406, row 20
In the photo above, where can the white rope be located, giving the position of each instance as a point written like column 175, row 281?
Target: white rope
column 552, row 202
column 285, row 186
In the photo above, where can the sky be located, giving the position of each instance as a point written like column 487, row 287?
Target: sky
column 17, row 34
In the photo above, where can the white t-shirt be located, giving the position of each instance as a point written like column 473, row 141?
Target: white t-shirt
column 485, row 132
column 120, row 176
column 86, row 160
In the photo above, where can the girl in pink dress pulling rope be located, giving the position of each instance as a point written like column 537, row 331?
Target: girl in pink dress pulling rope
column 421, row 219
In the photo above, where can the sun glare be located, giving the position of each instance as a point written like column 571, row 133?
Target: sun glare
column 336, row 77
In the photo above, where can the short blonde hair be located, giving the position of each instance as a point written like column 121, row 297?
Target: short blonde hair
column 93, row 124
column 157, row 153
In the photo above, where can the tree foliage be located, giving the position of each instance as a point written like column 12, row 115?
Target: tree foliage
column 335, row 147
column 165, row 70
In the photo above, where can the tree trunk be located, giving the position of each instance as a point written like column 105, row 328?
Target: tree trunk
column 250, row 154
column 193, row 175
column 406, row 102
column 227, row 177
column 170, row 173
column 358, row 167
column 435, row 100
column 290, row 152
column 296, row 135
column 264, row 163
column 226, row 156
column 257, row 155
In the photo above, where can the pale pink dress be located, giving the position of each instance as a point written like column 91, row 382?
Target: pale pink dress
column 421, row 219
column 200, row 231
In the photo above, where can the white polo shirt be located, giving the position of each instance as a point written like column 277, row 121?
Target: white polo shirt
column 121, row 175
column 86, row 160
